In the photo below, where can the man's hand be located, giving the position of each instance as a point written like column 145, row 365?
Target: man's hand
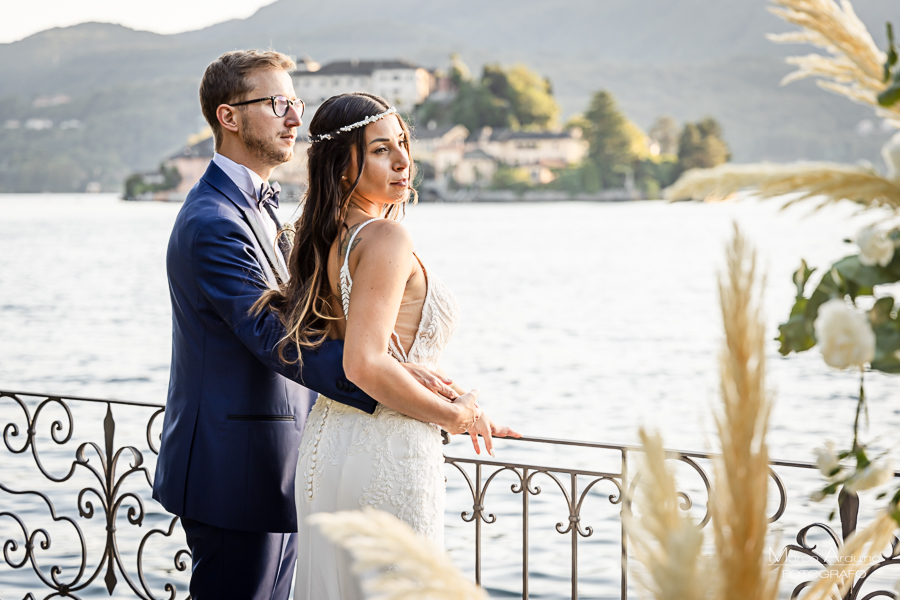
column 488, row 430
column 432, row 381
column 466, row 413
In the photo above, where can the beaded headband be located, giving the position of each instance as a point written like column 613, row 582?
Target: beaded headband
column 328, row 136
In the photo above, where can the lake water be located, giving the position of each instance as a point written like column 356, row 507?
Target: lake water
column 580, row 321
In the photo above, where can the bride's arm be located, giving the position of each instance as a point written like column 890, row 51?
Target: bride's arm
column 385, row 263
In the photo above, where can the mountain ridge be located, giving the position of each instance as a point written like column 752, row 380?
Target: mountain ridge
column 686, row 59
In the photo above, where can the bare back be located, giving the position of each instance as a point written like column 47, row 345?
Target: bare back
column 356, row 241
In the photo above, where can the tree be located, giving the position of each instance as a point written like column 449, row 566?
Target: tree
column 701, row 146
column 530, row 96
column 508, row 177
column 459, row 71
column 503, row 98
column 475, row 107
column 610, row 139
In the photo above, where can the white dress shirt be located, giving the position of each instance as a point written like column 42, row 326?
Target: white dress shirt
column 249, row 183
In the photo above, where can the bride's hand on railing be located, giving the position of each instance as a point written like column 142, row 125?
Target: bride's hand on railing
column 436, row 382
column 466, row 413
column 488, row 430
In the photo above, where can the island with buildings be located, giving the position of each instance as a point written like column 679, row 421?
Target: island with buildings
column 493, row 139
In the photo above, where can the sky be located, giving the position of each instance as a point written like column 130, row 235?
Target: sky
column 19, row 19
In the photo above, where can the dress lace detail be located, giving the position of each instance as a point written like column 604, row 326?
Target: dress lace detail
column 409, row 484
column 349, row 459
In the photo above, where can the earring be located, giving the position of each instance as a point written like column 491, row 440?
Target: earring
column 343, row 177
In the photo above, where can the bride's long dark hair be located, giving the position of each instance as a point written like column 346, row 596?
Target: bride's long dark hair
column 303, row 303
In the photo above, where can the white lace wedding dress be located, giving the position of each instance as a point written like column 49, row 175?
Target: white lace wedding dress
column 350, row 459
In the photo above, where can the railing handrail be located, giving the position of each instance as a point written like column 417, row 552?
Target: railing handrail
column 82, row 399
column 636, row 448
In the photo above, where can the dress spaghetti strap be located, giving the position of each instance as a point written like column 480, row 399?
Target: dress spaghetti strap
column 394, row 345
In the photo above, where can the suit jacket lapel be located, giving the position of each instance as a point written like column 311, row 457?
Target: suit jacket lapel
column 263, row 240
column 219, row 180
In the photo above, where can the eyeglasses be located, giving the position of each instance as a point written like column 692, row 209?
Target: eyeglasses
column 279, row 104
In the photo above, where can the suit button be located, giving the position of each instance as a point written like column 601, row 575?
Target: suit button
column 351, row 388
column 341, row 385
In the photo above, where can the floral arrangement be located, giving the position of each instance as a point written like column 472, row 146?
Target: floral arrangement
column 851, row 338
column 853, row 323
column 847, row 337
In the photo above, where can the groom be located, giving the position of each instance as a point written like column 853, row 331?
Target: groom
column 235, row 412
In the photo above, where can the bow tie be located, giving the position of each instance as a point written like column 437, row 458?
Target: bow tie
column 268, row 194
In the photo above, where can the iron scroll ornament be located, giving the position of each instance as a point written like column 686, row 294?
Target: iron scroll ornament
column 106, row 466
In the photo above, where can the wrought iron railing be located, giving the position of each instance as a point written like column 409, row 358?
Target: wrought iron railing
column 103, row 537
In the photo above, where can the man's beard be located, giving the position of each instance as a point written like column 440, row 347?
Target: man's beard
column 266, row 149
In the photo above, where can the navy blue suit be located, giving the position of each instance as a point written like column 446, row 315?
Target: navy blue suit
column 235, row 412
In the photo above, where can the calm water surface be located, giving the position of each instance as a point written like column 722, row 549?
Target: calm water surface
column 580, row 321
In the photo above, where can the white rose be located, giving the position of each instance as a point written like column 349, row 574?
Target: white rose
column 844, row 335
column 828, row 462
column 873, row 475
column 875, row 247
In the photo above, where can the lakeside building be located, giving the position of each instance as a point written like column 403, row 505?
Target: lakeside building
column 524, row 148
column 191, row 163
column 400, row 82
column 438, row 150
column 469, row 159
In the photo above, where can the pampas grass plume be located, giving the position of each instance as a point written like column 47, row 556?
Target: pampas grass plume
column 664, row 538
column 854, row 67
column 829, row 181
column 393, row 562
column 741, row 473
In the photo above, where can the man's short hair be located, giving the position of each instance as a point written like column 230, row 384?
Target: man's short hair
column 225, row 81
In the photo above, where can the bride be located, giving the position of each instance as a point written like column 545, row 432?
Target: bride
column 355, row 276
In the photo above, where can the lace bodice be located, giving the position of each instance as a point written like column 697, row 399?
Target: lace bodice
column 386, row 460
column 440, row 314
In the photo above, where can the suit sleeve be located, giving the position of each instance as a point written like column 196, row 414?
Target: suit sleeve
column 231, row 280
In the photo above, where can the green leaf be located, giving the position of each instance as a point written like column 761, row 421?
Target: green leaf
column 881, row 312
column 887, row 350
column 890, row 96
column 801, row 276
column 886, row 325
column 891, row 53
column 895, row 515
column 863, row 276
column 796, row 335
column 799, row 307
